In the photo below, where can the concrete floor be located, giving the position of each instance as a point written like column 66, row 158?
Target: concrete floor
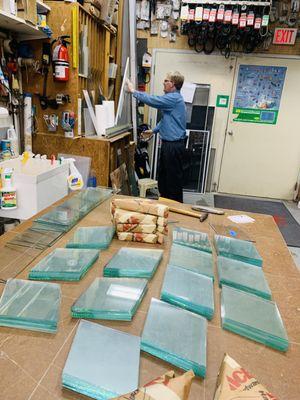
column 295, row 211
column 208, row 200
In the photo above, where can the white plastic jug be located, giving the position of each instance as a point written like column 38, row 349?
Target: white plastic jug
column 12, row 136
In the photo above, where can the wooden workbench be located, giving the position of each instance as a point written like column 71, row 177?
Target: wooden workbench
column 106, row 153
column 31, row 363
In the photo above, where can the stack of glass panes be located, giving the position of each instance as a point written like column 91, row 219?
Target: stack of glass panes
column 65, row 216
column 80, row 204
column 35, row 238
column 175, row 335
column 103, row 363
column 243, row 276
column 110, row 298
column 134, row 263
column 189, row 290
column 30, row 305
column 59, row 219
column 92, row 237
column 237, row 249
column 64, row 265
column 195, row 239
column 96, row 195
column 86, row 200
column 253, row 317
column 44, row 227
column 197, row 261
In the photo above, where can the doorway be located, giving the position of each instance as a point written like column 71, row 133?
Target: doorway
column 263, row 159
column 208, row 124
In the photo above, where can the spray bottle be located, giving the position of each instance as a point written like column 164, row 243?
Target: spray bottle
column 8, row 191
column 12, row 136
column 75, row 180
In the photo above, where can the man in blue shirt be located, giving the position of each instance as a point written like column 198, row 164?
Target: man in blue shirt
column 172, row 130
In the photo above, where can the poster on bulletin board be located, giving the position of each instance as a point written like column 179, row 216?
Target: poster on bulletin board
column 258, row 94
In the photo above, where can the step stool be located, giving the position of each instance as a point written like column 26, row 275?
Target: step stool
column 145, row 184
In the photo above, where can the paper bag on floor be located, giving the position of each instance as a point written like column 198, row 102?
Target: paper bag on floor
column 165, row 387
column 235, row 383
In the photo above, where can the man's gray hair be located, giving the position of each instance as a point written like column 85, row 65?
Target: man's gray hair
column 176, row 78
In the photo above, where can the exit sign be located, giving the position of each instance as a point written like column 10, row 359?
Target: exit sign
column 285, row 36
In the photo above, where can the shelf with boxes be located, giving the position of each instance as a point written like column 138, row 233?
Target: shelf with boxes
column 21, row 18
column 22, row 29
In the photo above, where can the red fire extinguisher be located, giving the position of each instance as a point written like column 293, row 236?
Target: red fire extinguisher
column 60, row 59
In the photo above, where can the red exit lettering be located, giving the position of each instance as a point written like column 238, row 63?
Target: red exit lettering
column 285, row 36
column 238, row 377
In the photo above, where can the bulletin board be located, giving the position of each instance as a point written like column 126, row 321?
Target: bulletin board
column 258, row 93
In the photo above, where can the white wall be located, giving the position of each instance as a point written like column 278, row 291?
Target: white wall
column 220, row 73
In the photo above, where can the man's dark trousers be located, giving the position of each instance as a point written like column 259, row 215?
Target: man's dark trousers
column 170, row 173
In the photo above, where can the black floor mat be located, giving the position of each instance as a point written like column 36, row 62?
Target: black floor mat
column 289, row 227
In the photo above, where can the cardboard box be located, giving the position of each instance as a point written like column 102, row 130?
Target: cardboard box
column 27, row 10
